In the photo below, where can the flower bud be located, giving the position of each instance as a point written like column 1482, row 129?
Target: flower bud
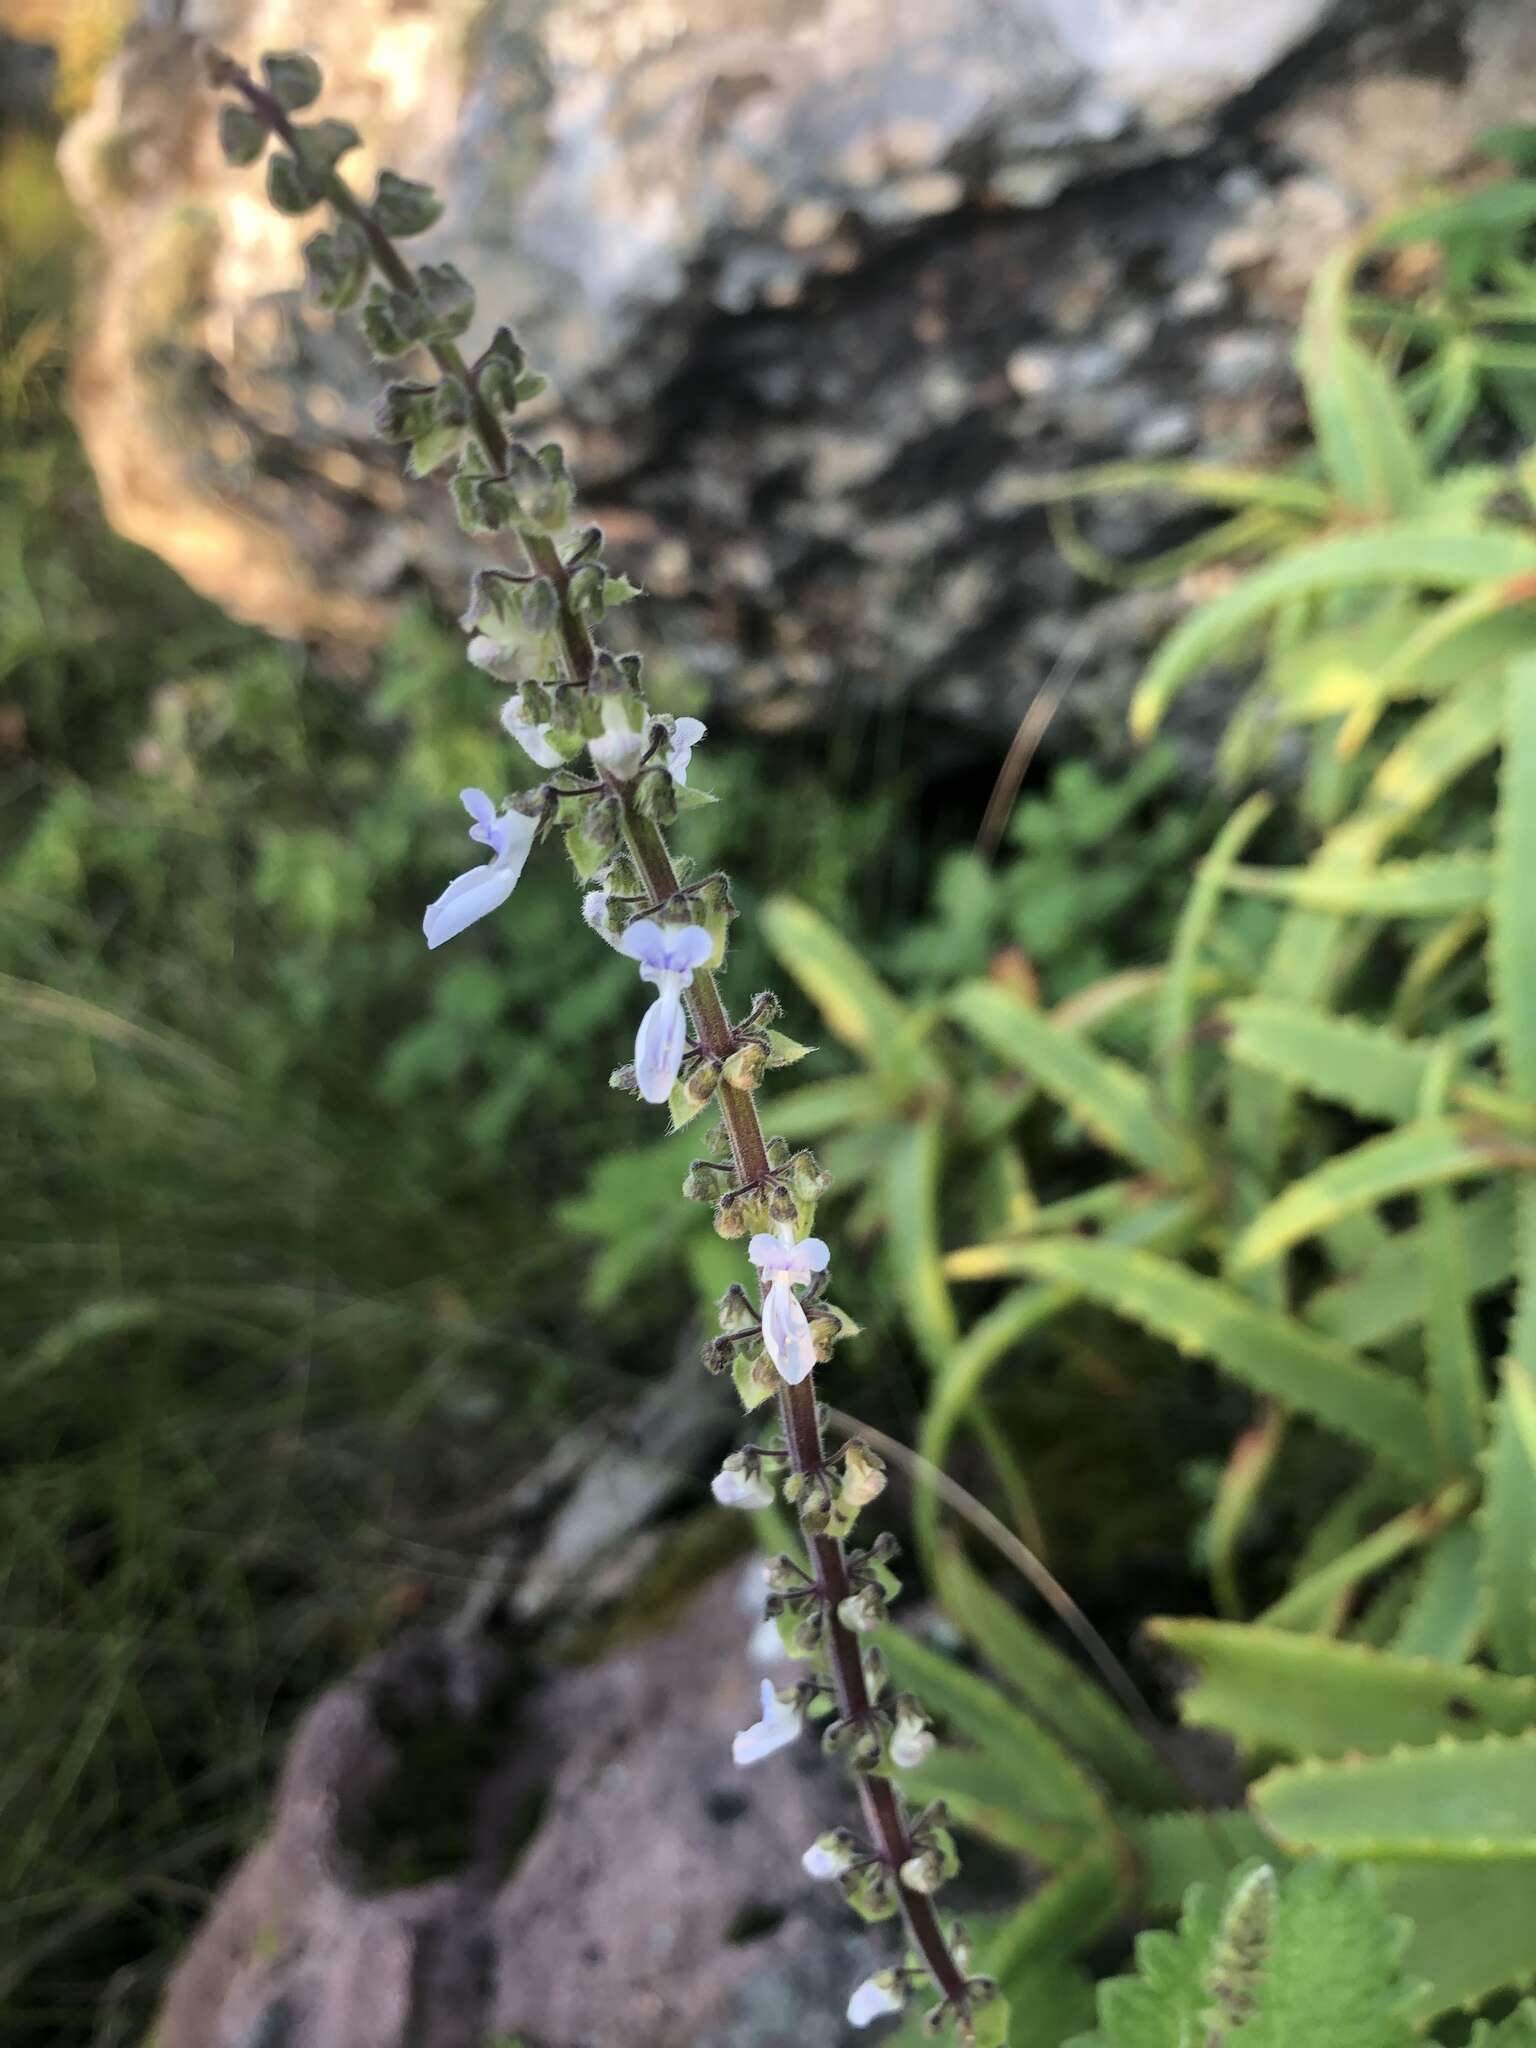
column 782, row 1206
column 242, row 137
column 912, row 1740
column 924, row 1872
column 323, row 144
column 807, row 1176
column 404, row 206
column 448, row 298
column 754, row 1378
column 540, row 606
column 701, row 1183
column 863, row 1610
column 746, row 1065
column 656, row 798
column 623, row 1078
column 729, row 1220
column 782, row 1575
column 390, row 320
column 586, row 591
column 885, row 1548
column 736, row 1313
column 871, row 1893
column 863, row 1475
column 702, row 1081
column 717, row 1139
column 718, row 1355
column 293, row 78
column 289, row 187
column 404, row 411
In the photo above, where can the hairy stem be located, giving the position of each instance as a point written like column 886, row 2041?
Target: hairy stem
column 802, row 1435
column 884, row 1813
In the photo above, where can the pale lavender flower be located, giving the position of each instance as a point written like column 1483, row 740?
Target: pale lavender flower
column 877, row 1998
column 828, row 1856
column 911, row 1739
column 782, row 1265
column 742, row 1483
column 778, row 1726
column 472, row 896
column 619, row 747
column 533, row 739
column 667, row 955
column 686, row 734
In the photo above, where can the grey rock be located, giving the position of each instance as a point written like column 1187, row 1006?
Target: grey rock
column 657, row 1901
column 823, row 284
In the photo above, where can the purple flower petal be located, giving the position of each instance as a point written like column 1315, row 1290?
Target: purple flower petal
column 466, row 900
column 479, row 807
column 787, row 1334
column 659, row 1046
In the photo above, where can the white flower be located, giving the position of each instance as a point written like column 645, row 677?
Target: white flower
column 877, row 1998
column 742, row 1483
column 911, row 1740
column 778, row 1726
column 667, row 955
column 686, row 734
column 782, row 1265
column 494, row 656
column 619, row 746
column 765, row 1645
column 828, row 1856
column 531, row 738
column 472, row 896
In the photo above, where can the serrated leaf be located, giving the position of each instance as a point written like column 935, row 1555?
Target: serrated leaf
column 1326, row 1972
column 1110, row 1099
column 1432, row 1152
column 1176, row 1003
column 1262, row 1347
column 1313, row 1697
column 1327, row 1578
column 1368, row 1068
column 784, row 1051
column 1514, row 910
column 1075, row 1708
column 1474, row 1927
column 1432, row 886
column 912, row 1221
column 1459, row 1802
column 1443, row 1619
column 1363, row 433
column 1517, row 2030
column 1389, row 1297
column 1508, row 1522
column 1410, row 553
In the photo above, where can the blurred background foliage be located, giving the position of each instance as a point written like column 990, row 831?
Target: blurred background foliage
column 1148, row 1120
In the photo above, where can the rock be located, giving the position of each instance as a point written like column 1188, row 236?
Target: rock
column 824, row 285
column 657, row 1900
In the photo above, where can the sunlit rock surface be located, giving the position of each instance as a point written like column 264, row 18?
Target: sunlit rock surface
column 823, row 283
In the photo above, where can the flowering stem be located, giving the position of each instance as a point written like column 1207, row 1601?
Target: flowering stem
column 884, row 1812
column 882, row 1806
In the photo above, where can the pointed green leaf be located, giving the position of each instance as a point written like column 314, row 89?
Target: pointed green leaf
column 1429, row 887
column 1314, row 1697
column 1074, row 1707
column 1265, row 1349
column 858, row 1007
column 912, row 1213
column 1459, row 1802
column 1368, row 1068
column 1474, row 1927
column 1508, row 1522
column 1444, row 1618
column 1411, row 553
column 1429, row 1153
column 1390, row 1296
column 1514, row 913
column 1111, row 1101
column 1176, row 1005
column 1175, row 1850
column 1363, row 433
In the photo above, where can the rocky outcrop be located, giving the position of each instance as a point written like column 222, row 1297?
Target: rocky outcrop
column 654, row 1895
column 825, row 284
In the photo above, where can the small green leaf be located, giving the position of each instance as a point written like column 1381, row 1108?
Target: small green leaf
column 404, row 206
column 784, row 1051
column 242, row 137
column 1508, row 1522
column 322, row 144
column 293, row 78
column 289, row 187
column 1366, row 1067
column 1390, row 1296
column 1429, row 887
